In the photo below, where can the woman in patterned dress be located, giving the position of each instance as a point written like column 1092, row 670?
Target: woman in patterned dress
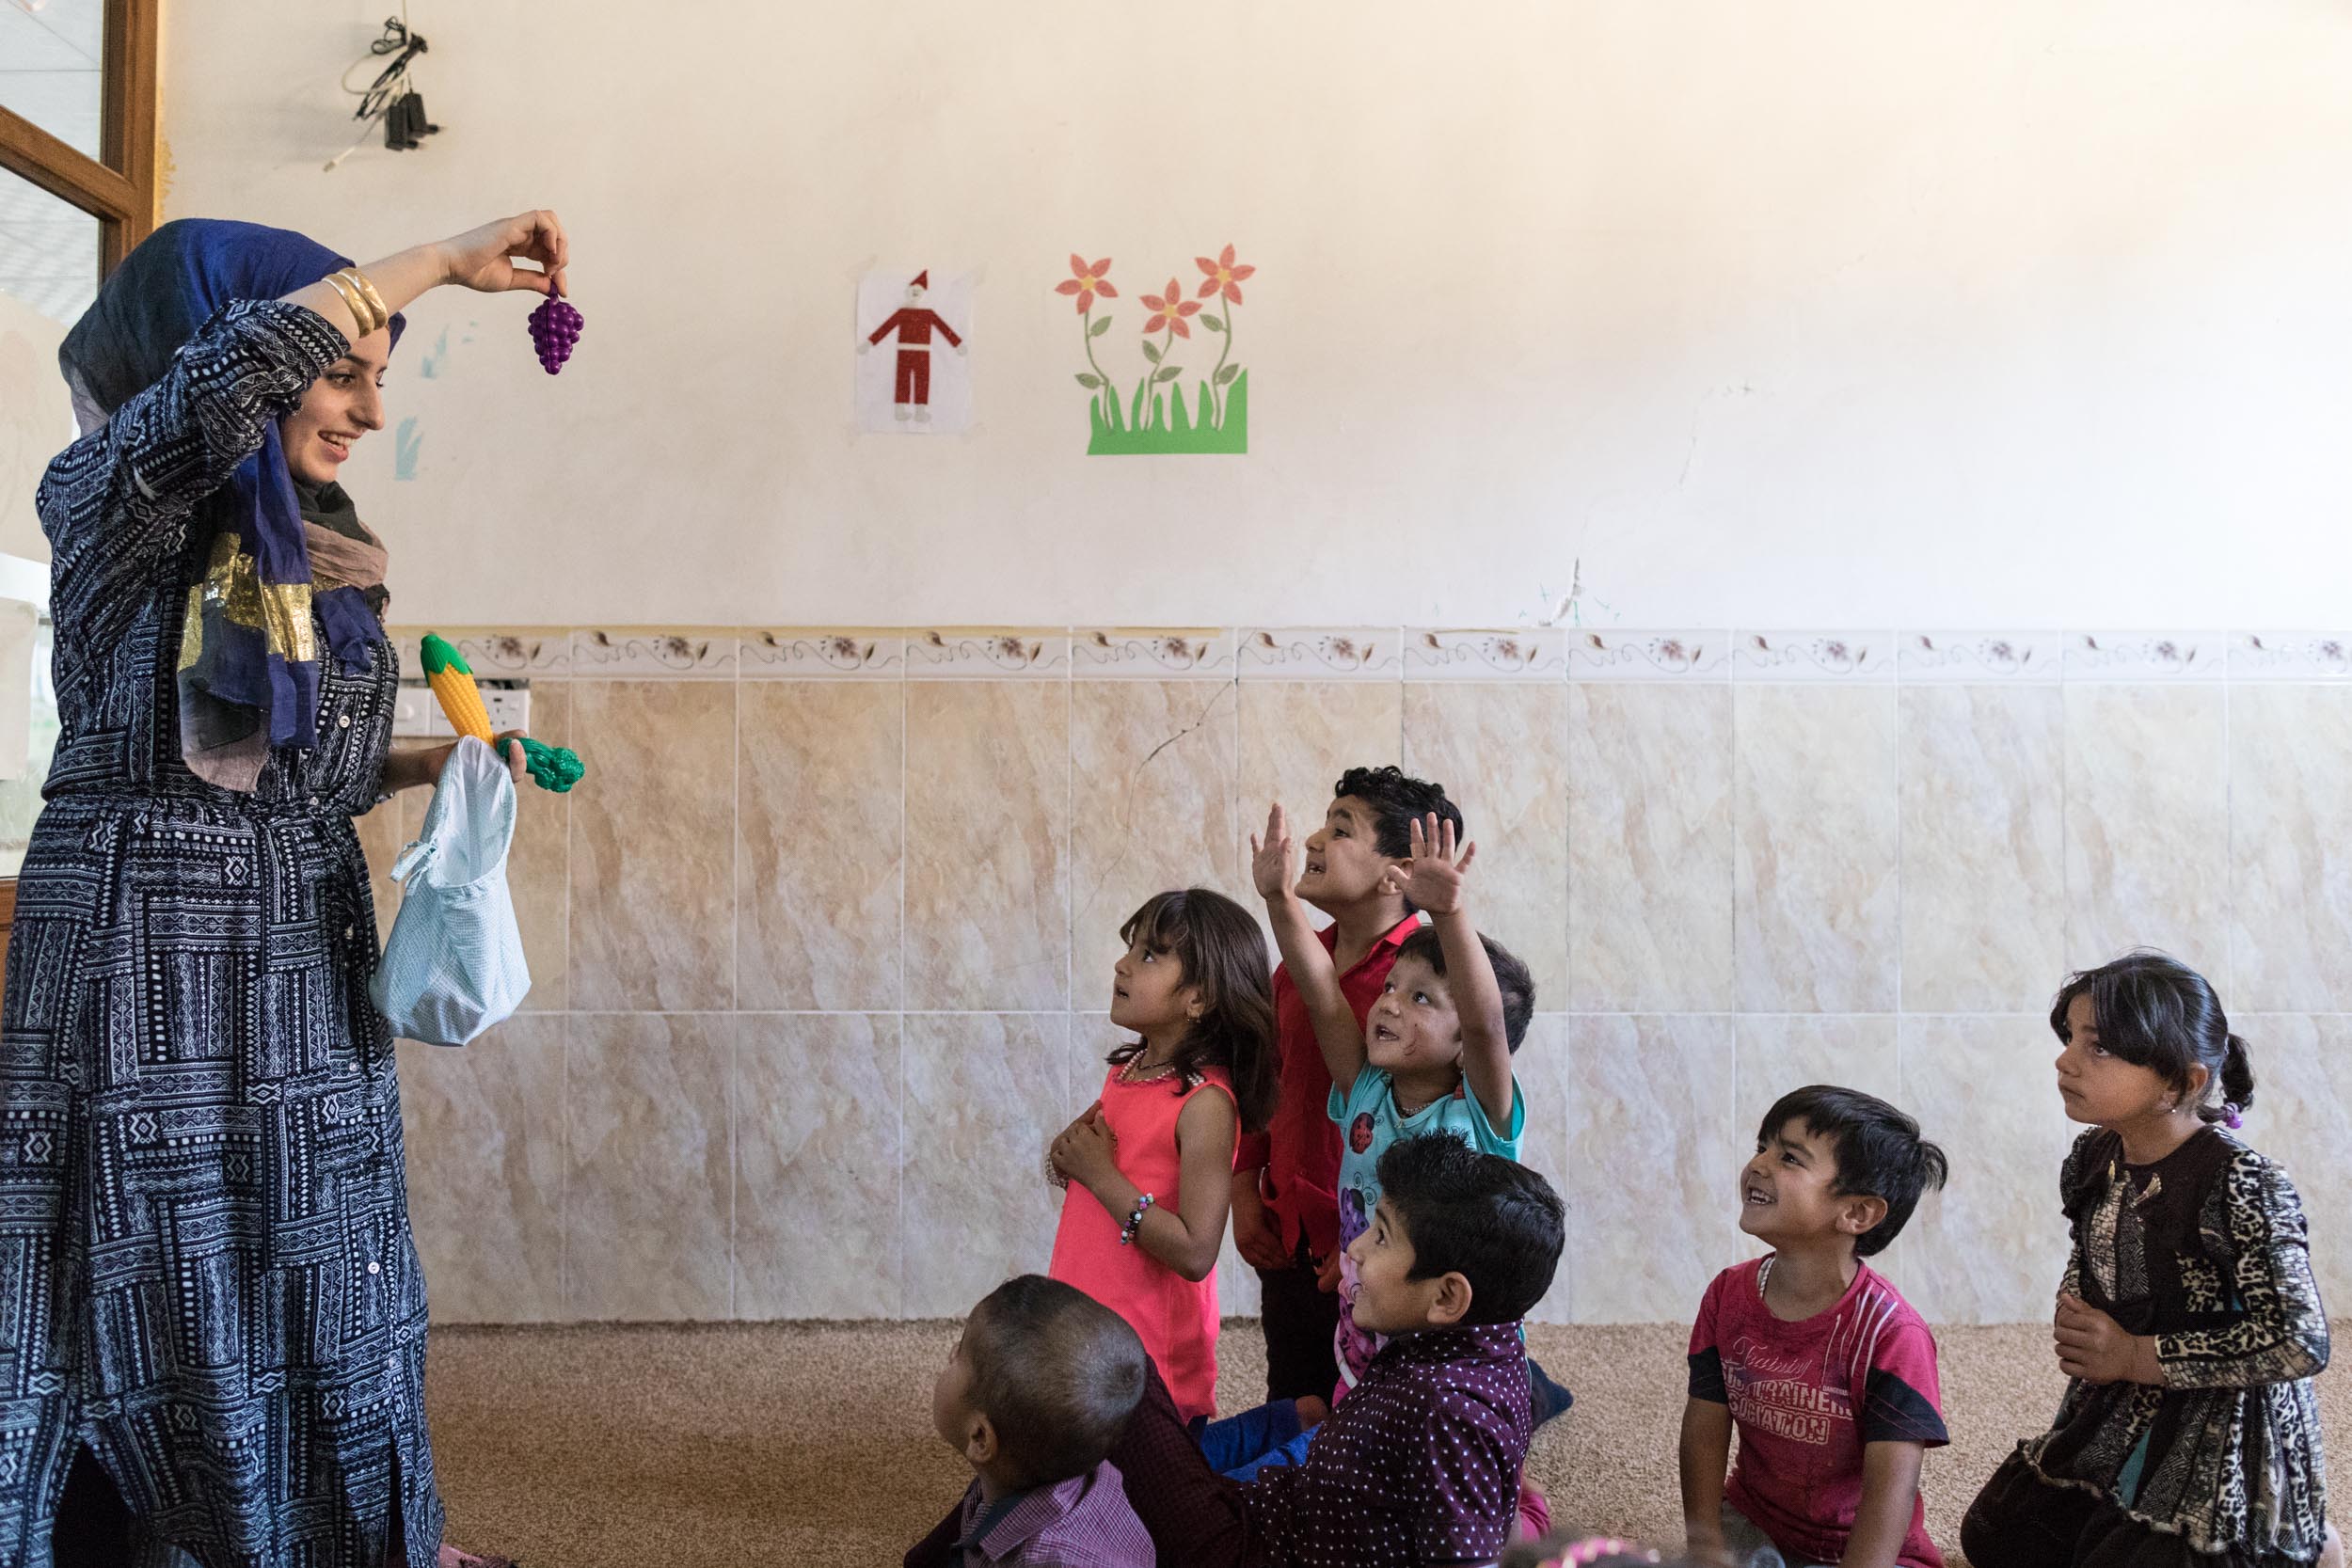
column 212, row 1318
column 2188, row 1323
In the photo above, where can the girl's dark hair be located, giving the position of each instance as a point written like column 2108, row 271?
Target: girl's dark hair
column 1220, row 949
column 2155, row 1011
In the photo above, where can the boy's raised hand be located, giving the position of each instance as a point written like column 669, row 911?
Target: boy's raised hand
column 1270, row 857
column 1338, row 1034
column 1432, row 876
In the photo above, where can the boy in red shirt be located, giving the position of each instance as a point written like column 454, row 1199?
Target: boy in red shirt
column 1286, row 1207
column 1828, row 1373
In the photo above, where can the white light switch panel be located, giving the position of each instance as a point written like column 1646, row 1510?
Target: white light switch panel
column 509, row 709
column 418, row 714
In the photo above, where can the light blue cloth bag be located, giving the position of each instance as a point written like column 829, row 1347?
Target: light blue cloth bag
column 455, row 964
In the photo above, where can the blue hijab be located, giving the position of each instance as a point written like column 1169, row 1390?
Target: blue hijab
column 149, row 308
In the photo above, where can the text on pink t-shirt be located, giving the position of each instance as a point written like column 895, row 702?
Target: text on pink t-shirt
column 1807, row 1396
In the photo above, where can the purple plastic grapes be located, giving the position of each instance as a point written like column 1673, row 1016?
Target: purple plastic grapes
column 554, row 328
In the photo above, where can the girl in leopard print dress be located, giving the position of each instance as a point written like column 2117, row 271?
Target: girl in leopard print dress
column 2188, row 1323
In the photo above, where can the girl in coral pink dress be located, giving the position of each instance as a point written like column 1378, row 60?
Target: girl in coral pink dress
column 1149, row 1166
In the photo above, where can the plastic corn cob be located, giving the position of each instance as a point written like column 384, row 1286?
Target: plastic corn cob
column 552, row 767
column 452, row 680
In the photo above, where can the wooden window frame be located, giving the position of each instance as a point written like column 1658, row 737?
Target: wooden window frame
column 118, row 190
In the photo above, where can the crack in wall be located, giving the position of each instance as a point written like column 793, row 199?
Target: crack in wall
column 1127, row 803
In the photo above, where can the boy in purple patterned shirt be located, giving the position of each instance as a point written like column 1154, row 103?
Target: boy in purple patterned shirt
column 1420, row 1464
column 1041, row 1381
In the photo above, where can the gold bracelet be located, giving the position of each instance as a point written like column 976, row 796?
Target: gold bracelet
column 362, row 314
column 367, row 291
column 354, row 302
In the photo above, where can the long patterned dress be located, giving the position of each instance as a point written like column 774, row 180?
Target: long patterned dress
column 206, row 1275
column 2206, row 1250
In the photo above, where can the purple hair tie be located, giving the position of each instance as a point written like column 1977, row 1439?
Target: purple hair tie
column 2230, row 1115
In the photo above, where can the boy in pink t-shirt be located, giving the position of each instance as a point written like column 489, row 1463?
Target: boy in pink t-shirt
column 1827, row 1372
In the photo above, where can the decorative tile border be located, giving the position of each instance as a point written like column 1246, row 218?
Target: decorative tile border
column 1649, row 655
column 527, row 652
column 1383, row 653
column 1539, row 653
column 645, row 653
column 1151, row 654
column 1323, row 654
column 1979, row 658
column 518, row 655
column 987, row 654
column 2144, row 656
column 2290, row 656
column 1845, row 658
column 806, row 654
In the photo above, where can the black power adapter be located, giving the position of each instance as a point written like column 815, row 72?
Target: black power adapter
column 405, row 124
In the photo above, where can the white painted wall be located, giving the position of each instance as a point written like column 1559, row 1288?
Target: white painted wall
column 1840, row 312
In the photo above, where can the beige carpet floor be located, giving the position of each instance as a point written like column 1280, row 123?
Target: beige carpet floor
column 724, row 1446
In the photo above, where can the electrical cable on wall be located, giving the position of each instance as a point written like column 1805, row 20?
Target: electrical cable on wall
column 393, row 98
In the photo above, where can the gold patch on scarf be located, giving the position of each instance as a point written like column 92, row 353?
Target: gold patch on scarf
column 286, row 615
column 280, row 610
column 192, row 636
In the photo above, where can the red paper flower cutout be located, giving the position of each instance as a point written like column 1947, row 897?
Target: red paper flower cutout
column 1170, row 311
column 1086, row 281
column 1225, row 275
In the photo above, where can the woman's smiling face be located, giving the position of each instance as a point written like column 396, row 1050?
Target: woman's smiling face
column 339, row 407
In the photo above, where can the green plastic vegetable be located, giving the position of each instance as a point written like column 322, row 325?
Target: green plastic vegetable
column 554, row 768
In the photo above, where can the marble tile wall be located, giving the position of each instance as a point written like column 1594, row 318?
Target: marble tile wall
column 821, row 947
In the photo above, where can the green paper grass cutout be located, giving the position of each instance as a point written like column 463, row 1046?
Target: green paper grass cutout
column 1168, row 430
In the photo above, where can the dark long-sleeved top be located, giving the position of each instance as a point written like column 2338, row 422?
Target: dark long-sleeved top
column 2206, row 1251
column 206, row 1272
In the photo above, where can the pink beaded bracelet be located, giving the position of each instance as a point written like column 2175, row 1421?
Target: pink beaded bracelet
column 1593, row 1548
